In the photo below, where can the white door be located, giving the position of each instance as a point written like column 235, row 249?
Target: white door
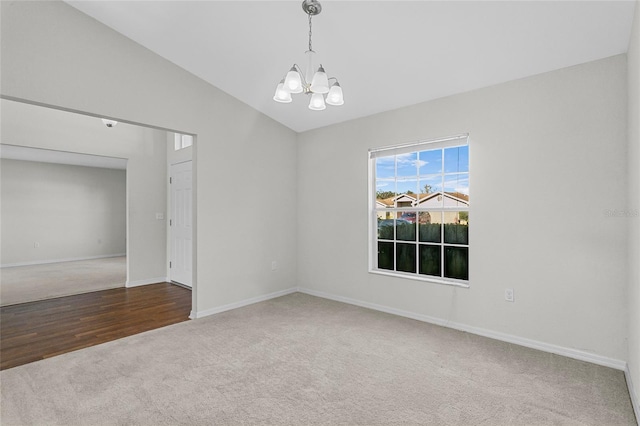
column 180, row 264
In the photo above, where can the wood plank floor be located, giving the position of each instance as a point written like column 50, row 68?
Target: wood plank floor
column 37, row 330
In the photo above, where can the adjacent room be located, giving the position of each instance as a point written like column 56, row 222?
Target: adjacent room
column 421, row 212
column 79, row 193
column 64, row 224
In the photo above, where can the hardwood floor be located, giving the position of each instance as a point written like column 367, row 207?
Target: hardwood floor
column 37, row 330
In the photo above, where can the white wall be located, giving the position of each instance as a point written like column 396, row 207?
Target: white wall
column 38, row 127
column 633, row 221
column 54, row 54
column 547, row 159
column 72, row 212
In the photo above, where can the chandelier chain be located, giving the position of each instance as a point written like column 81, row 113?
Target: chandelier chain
column 310, row 49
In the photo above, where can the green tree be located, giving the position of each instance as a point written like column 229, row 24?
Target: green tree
column 381, row 195
column 428, row 189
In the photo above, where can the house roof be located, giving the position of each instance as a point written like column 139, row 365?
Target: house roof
column 459, row 196
column 455, row 195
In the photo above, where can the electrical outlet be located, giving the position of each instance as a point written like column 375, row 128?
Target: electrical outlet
column 508, row 295
column 274, row 265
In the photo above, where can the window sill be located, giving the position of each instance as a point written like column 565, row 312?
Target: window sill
column 455, row 283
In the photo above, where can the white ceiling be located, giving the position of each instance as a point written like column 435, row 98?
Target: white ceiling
column 386, row 54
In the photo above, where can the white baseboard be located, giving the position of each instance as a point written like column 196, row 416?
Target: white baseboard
column 632, row 393
column 138, row 283
column 241, row 303
column 70, row 259
column 534, row 344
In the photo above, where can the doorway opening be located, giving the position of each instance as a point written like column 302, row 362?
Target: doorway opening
column 146, row 153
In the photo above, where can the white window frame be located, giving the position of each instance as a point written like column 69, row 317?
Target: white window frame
column 182, row 141
column 432, row 144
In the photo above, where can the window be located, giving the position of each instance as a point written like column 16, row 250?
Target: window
column 419, row 210
column 182, row 141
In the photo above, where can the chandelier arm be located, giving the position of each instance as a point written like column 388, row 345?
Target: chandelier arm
column 304, row 80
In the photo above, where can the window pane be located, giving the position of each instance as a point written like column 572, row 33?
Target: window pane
column 406, row 227
column 187, row 141
column 386, row 167
column 430, row 184
column 385, row 191
column 406, row 257
column 457, row 186
column 385, row 228
column 430, row 260
column 407, row 164
column 430, row 227
column 456, row 159
column 409, row 187
column 456, row 227
column 430, row 162
column 456, row 262
column 430, row 192
column 385, row 256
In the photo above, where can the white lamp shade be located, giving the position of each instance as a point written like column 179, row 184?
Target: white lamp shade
column 293, row 82
column 334, row 97
column 320, row 82
column 282, row 95
column 317, row 102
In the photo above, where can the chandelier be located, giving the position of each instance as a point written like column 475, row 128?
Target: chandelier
column 317, row 85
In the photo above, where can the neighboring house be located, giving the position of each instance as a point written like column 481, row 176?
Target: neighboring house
column 443, row 199
column 402, row 200
column 405, row 200
column 381, row 204
column 434, row 199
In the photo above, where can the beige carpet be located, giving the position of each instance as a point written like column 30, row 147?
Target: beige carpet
column 22, row 284
column 300, row 360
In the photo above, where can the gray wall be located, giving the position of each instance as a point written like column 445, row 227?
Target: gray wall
column 72, row 212
column 547, row 159
column 55, row 55
column 145, row 151
column 633, row 221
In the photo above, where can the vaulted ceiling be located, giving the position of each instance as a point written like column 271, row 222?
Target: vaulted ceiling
column 386, row 54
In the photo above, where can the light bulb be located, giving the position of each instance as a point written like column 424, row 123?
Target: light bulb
column 293, row 82
column 320, row 82
column 334, row 97
column 317, row 102
column 282, row 95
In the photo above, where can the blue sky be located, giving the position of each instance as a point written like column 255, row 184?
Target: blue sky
column 417, row 169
